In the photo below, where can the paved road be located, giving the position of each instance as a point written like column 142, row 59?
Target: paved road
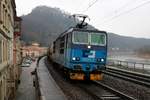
column 26, row 91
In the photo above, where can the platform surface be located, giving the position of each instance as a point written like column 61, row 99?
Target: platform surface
column 49, row 88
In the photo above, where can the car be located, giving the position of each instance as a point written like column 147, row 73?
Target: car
column 28, row 61
column 25, row 65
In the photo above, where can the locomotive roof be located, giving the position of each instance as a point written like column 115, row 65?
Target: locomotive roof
column 78, row 29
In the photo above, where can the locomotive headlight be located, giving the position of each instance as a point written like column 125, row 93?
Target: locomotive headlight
column 102, row 60
column 77, row 58
column 89, row 47
column 73, row 58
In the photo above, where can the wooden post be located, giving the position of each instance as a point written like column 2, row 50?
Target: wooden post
column 134, row 65
column 127, row 64
column 120, row 63
column 143, row 67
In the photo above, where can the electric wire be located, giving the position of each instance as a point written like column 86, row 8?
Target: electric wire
column 120, row 8
column 126, row 12
column 90, row 5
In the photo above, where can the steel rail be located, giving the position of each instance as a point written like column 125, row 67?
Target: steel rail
column 145, row 76
column 95, row 95
column 114, row 91
column 129, row 76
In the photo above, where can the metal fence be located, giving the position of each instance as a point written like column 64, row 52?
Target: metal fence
column 128, row 64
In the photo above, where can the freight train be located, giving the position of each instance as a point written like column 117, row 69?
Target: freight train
column 81, row 53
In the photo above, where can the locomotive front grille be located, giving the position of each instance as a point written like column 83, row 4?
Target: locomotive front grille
column 88, row 67
column 77, row 67
column 101, row 67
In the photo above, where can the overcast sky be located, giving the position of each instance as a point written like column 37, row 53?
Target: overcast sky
column 123, row 17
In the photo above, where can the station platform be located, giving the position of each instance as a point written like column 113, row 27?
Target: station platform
column 48, row 88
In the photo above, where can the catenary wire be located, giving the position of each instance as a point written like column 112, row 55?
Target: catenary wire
column 125, row 12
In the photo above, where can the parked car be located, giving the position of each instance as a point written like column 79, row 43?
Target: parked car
column 25, row 64
column 28, row 61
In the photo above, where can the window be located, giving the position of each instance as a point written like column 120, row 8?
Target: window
column 92, row 38
column 0, row 50
column 98, row 39
column 4, row 15
column 1, row 90
column 0, row 13
column 4, row 51
column 62, row 44
column 80, row 37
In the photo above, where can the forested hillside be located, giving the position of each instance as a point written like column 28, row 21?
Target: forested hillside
column 44, row 24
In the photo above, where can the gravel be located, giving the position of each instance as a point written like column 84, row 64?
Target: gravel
column 137, row 91
column 74, row 92
column 69, row 88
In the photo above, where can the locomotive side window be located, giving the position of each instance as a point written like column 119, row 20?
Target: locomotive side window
column 62, row 44
column 69, row 40
column 80, row 37
column 98, row 39
column 66, row 41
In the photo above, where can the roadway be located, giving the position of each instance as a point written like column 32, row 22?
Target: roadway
column 26, row 91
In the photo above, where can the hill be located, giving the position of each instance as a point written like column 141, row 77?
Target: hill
column 44, row 24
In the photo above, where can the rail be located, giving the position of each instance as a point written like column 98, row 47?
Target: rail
column 128, row 64
column 116, row 92
column 101, row 91
column 138, row 78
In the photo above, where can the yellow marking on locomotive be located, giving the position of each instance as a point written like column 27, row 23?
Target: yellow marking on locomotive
column 77, row 76
column 96, row 76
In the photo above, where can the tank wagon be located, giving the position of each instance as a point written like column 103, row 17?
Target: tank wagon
column 81, row 53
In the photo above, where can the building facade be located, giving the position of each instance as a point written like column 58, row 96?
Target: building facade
column 17, row 55
column 33, row 50
column 7, row 68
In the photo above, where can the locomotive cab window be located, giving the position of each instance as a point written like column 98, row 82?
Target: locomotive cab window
column 98, row 39
column 80, row 37
column 92, row 38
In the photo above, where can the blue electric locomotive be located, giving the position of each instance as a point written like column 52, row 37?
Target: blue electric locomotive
column 81, row 53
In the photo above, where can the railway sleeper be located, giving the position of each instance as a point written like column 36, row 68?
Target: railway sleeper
column 110, row 97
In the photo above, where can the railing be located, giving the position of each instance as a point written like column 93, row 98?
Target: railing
column 128, row 64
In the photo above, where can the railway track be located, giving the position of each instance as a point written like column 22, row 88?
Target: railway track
column 119, row 94
column 100, row 91
column 94, row 89
column 137, row 78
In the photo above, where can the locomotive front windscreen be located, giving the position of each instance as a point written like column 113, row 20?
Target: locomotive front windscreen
column 98, row 39
column 80, row 37
column 92, row 38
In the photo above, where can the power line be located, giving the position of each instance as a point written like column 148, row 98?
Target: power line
column 81, row 4
column 70, row 22
column 128, row 11
column 118, row 9
column 68, row 25
column 90, row 5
